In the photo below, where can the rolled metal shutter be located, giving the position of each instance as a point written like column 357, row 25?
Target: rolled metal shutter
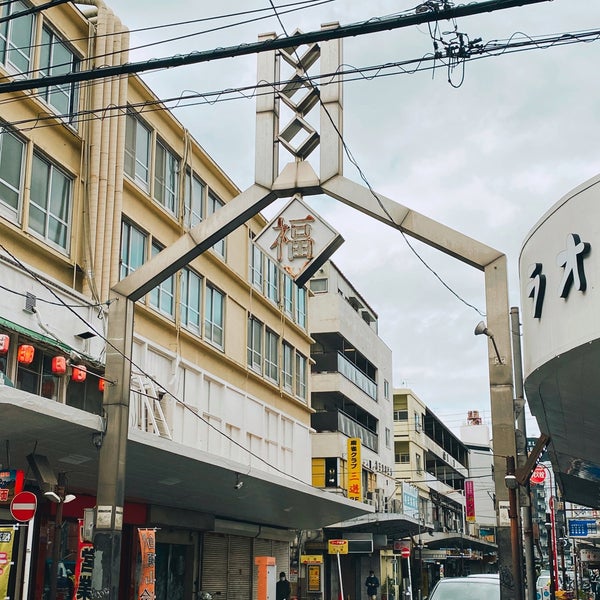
column 240, row 563
column 214, row 564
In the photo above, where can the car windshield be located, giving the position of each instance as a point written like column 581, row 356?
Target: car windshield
column 474, row 589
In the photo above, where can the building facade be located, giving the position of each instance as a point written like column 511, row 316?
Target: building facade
column 95, row 181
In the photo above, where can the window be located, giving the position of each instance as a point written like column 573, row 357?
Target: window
column 288, row 295
column 162, row 297
column 213, row 316
column 133, row 249
column 213, row 206
column 50, row 202
column 301, row 307
column 16, row 37
column 190, row 301
column 388, row 437
column 386, row 389
column 255, row 330
column 417, row 422
column 287, row 368
column 271, row 355
column 11, row 169
column 404, row 458
column 166, row 172
column 137, row 151
column 318, row 285
column 300, row 376
column 57, row 59
column 37, row 377
column 400, row 415
column 418, row 463
column 256, row 267
column 193, row 199
column 272, row 281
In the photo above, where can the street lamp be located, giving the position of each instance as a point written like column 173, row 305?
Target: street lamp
column 59, row 497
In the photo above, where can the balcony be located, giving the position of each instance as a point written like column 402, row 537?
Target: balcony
column 336, row 362
column 337, row 421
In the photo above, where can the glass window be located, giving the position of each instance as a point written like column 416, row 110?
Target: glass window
column 388, row 437
column 256, row 266
column 400, row 415
column 193, row 199
column 191, row 298
column 404, row 457
column 318, row 285
column 301, row 307
column 57, row 59
column 213, row 316
column 137, row 151
column 272, row 281
column 288, row 295
column 271, row 355
column 37, row 377
column 255, row 331
column 166, row 172
column 11, row 169
column 16, row 37
column 386, row 389
column 133, row 249
column 50, row 202
column 300, row 376
column 213, row 206
column 162, row 297
column 288, row 367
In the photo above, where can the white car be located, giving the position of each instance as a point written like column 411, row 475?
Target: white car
column 479, row 587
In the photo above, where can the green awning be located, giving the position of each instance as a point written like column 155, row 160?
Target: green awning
column 34, row 335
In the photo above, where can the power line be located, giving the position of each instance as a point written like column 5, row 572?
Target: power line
column 373, row 25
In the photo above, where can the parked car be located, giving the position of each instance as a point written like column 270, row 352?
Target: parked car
column 481, row 587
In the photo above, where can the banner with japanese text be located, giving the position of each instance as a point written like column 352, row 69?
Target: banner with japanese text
column 148, row 554
column 84, row 567
column 354, row 470
column 469, row 501
column 7, row 536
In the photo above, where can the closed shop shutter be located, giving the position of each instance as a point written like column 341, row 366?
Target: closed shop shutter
column 281, row 552
column 214, row 564
column 239, row 581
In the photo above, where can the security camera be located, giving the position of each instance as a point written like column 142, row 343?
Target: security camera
column 238, row 485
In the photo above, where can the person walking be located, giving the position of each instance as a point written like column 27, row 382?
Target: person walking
column 372, row 584
column 283, row 589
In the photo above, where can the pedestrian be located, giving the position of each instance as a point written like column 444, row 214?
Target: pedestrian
column 371, row 583
column 283, row 589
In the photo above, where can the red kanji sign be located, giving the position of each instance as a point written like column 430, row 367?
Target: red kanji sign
column 23, row 506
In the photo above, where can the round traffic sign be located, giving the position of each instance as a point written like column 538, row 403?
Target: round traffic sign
column 405, row 552
column 23, row 506
column 538, row 475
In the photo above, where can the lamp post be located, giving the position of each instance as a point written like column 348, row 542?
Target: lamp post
column 59, row 498
column 515, row 538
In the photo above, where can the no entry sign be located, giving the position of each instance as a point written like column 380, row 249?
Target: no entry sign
column 23, row 506
column 405, row 552
column 538, row 475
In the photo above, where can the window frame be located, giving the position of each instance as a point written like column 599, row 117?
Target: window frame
column 7, row 37
column 125, row 267
column 213, row 203
column 185, row 308
column 287, row 366
column 13, row 213
column 271, row 352
column 193, row 208
column 132, row 157
column 212, row 325
column 301, row 376
column 166, row 178
column 64, row 221
column 254, row 344
column 162, row 297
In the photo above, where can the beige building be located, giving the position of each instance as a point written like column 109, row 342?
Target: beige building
column 95, row 180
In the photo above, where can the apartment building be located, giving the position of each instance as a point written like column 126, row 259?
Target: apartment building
column 351, row 396
column 435, row 461
column 95, row 181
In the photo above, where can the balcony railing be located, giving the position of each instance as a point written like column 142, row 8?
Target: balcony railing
column 356, row 376
column 334, row 420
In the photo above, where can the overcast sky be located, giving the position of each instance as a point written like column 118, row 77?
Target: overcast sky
column 486, row 155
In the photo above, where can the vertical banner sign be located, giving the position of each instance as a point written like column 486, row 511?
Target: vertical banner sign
column 354, row 470
column 148, row 550
column 7, row 535
column 84, row 567
column 470, row 501
column 11, row 483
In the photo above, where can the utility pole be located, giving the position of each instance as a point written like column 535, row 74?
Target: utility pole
column 524, row 490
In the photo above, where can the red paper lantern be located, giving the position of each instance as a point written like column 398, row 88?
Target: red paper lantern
column 79, row 373
column 101, row 384
column 59, row 365
column 25, row 354
column 4, row 343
